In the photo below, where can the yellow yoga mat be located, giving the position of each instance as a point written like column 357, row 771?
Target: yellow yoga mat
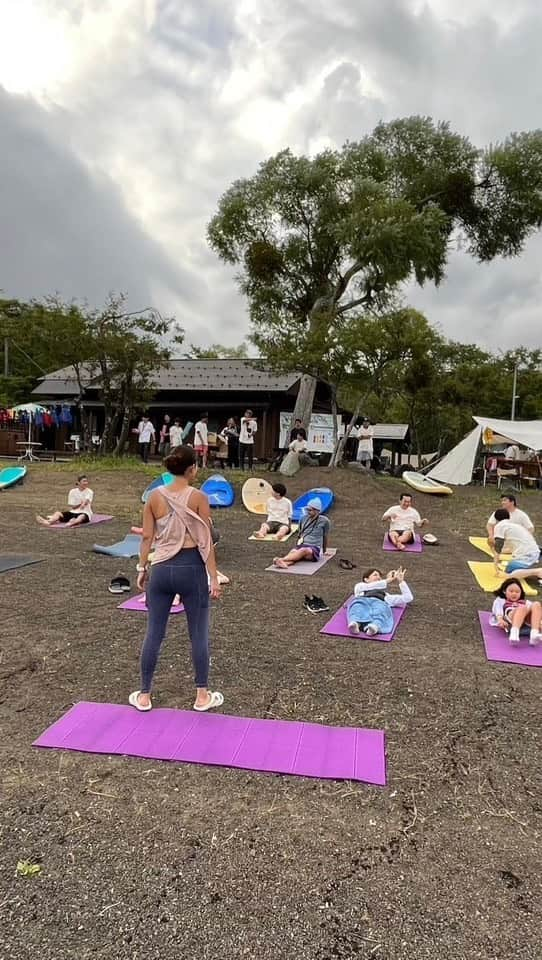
column 481, row 544
column 488, row 580
column 271, row 536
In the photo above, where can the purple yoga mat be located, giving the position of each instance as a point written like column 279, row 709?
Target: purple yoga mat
column 338, row 625
column 304, row 567
column 498, row 646
column 416, row 547
column 273, row 746
column 137, row 603
column 96, row 518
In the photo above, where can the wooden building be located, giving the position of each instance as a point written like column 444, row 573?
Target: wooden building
column 187, row 388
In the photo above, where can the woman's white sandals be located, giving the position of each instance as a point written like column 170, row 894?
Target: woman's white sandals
column 216, row 699
column 133, row 700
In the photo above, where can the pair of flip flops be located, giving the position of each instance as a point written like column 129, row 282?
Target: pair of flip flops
column 347, row 565
column 119, row 584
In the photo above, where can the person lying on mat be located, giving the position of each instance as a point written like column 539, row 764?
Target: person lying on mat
column 279, row 515
column 512, row 538
column 509, row 502
column 402, row 519
column 312, row 539
column 511, row 611
column 79, row 507
column 370, row 609
column 176, row 525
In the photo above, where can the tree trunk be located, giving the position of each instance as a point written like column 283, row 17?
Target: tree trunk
column 124, row 431
column 337, row 456
column 334, row 414
column 304, row 400
column 85, row 429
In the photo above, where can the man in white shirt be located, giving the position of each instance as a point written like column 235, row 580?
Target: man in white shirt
column 248, row 429
column 509, row 502
column 403, row 519
column 145, row 432
column 365, row 444
column 201, row 439
column 512, row 538
column 79, row 507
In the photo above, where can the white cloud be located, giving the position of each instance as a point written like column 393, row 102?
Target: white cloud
column 159, row 105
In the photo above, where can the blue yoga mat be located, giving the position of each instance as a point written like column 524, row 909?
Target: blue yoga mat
column 11, row 475
column 324, row 494
column 165, row 478
column 219, row 491
column 129, row 547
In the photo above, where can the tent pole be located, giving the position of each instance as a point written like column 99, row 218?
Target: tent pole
column 514, row 397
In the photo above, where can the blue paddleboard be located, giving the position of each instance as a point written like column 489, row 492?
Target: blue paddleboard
column 324, row 494
column 219, row 491
column 11, row 475
column 159, row 482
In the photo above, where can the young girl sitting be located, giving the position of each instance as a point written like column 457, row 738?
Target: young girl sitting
column 511, row 611
column 370, row 610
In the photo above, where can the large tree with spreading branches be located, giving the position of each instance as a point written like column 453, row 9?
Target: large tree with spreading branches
column 315, row 239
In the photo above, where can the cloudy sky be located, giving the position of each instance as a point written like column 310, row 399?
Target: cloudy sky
column 122, row 122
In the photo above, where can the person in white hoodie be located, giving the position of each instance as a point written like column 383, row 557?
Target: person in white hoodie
column 249, row 427
column 370, row 610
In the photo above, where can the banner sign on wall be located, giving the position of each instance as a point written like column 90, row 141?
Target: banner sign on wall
column 319, row 434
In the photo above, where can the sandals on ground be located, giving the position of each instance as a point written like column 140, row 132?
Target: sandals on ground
column 119, row 584
column 347, row 565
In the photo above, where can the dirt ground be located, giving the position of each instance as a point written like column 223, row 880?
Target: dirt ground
column 144, row 860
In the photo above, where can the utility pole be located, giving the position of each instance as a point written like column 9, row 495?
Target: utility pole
column 514, row 394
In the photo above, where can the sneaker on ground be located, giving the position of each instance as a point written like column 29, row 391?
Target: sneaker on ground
column 309, row 604
column 320, row 605
column 371, row 629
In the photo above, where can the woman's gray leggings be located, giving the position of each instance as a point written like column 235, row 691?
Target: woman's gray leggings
column 185, row 574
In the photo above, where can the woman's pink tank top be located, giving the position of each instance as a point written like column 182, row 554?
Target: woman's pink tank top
column 171, row 530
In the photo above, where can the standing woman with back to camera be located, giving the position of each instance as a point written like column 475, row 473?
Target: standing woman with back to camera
column 177, row 525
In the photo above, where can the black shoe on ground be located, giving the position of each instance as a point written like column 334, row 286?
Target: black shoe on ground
column 319, row 605
column 309, row 604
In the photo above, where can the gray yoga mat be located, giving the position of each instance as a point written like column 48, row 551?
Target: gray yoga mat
column 14, row 560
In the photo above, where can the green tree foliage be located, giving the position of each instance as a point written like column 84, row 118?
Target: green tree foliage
column 315, row 239
column 217, row 351
column 117, row 350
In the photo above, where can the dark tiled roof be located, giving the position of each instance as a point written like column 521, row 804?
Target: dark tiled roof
column 208, row 375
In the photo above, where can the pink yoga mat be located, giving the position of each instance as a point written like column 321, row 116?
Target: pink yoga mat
column 498, row 646
column 416, row 547
column 96, row 518
column 338, row 625
column 304, row 567
column 273, row 746
column 138, row 603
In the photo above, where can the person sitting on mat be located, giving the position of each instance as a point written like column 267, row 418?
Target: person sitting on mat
column 312, row 539
column 176, row 525
column 509, row 502
column 370, row 609
column 512, row 538
column 402, row 519
column 511, row 610
column 279, row 515
column 79, row 507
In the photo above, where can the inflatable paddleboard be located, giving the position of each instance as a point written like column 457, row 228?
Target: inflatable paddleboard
column 425, row 484
column 159, row 482
column 255, row 494
column 9, row 476
column 323, row 493
column 219, row 491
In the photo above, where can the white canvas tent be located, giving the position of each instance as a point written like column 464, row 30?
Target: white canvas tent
column 457, row 466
